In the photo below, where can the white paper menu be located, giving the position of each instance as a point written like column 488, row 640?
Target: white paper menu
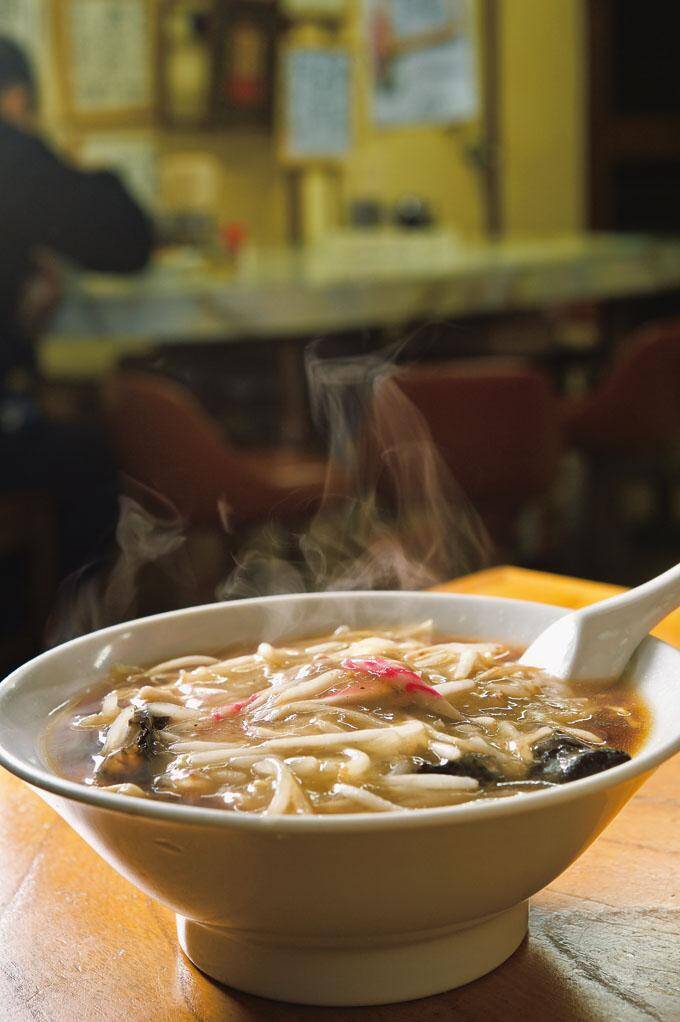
column 110, row 55
column 317, row 103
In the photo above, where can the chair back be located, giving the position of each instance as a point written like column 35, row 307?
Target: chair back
column 637, row 408
column 495, row 422
column 164, row 440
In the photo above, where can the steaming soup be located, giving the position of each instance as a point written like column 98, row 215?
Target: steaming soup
column 352, row 722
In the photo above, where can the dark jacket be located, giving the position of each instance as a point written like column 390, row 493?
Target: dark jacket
column 47, row 203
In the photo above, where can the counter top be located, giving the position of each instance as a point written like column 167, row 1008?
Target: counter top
column 78, row 942
column 353, row 281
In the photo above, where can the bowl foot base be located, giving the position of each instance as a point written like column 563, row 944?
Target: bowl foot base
column 343, row 975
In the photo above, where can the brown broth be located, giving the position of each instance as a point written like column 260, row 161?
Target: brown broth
column 618, row 716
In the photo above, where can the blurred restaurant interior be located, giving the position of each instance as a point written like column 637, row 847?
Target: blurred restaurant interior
column 382, row 292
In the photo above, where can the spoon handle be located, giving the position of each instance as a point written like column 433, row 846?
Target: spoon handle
column 596, row 642
column 640, row 609
column 617, row 626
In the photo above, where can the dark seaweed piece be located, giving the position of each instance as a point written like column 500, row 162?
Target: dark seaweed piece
column 563, row 758
column 147, row 739
column 132, row 761
column 481, row 768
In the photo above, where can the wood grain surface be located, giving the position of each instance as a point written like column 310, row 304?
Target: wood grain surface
column 77, row 942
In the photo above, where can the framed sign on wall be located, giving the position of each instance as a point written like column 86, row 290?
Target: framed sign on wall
column 106, row 59
column 424, row 61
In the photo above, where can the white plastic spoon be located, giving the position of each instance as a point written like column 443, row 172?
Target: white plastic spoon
column 595, row 643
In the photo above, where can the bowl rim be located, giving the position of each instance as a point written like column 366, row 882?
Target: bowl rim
column 197, row 816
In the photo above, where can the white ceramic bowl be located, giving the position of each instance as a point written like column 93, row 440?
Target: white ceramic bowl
column 351, row 909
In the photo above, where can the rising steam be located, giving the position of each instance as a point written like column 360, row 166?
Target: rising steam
column 391, row 516
column 98, row 596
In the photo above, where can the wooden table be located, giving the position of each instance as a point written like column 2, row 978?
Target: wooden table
column 77, row 942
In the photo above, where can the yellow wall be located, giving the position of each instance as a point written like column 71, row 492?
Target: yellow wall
column 542, row 127
column 389, row 164
column 427, row 162
column 541, row 67
column 254, row 189
column 423, row 160
column 542, row 61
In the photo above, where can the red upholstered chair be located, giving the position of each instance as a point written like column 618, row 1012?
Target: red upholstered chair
column 636, row 409
column 164, row 440
column 496, row 424
column 628, row 429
